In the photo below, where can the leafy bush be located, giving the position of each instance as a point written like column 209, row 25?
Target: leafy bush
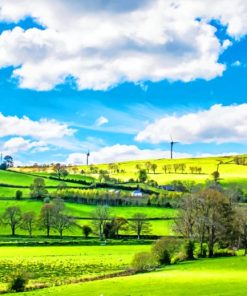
column 18, row 194
column 180, row 257
column 164, row 249
column 144, row 261
column 18, row 281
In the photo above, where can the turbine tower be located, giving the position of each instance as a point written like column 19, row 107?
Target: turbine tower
column 88, row 154
column 172, row 143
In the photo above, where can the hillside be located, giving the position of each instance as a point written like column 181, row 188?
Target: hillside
column 230, row 172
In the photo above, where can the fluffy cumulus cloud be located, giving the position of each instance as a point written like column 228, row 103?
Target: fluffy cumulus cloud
column 103, row 43
column 219, row 124
column 119, row 152
column 19, row 144
column 44, row 129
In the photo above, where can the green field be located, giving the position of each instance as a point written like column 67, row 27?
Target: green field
column 50, row 265
column 208, row 277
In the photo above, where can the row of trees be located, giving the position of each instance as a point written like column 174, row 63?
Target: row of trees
column 51, row 217
column 169, row 168
column 210, row 217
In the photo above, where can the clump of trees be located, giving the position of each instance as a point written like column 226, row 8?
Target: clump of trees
column 209, row 218
column 240, row 160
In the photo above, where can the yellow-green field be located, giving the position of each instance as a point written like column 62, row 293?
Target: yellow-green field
column 208, row 277
column 229, row 171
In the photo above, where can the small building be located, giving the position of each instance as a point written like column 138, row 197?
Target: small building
column 137, row 193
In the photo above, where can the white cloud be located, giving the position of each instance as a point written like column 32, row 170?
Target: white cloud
column 103, row 43
column 219, row 124
column 43, row 129
column 19, row 144
column 119, row 152
column 101, row 121
column 236, row 64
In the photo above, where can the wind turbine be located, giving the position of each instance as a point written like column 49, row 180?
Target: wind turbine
column 172, row 143
column 88, row 154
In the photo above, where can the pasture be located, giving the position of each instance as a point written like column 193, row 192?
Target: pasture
column 58, row 265
column 205, row 277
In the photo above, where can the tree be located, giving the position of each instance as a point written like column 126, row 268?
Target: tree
column 12, row 217
column 86, row 230
column 8, row 161
column 119, row 223
column 46, row 218
column 148, row 166
column 241, row 226
column 207, row 217
column 154, row 167
column 100, row 217
column 216, row 176
column 142, row 176
column 60, row 170
column 28, row 222
column 140, row 224
column 61, row 222
column 37, row 189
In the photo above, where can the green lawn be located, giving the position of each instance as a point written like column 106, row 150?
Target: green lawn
column 209, row 277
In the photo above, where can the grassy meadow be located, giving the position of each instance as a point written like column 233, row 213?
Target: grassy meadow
column 62, row 264
column 205, row 277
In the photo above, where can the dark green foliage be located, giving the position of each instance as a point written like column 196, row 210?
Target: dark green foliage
column 18, row 282
column 86, row 230
column 142, row 176
column 189, row 248
column 18, row 194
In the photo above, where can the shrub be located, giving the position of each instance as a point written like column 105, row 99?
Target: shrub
column 47, row 200
column 18, row 194
column 18, row 282
column 181, row 256
column 144, row 261
column 164, row 249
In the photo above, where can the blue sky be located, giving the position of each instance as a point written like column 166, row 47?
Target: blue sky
column 122, row 88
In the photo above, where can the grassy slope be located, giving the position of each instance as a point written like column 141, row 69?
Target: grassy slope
column 229, row 171
column 216, row 277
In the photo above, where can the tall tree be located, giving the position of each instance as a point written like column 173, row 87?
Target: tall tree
column 46, row 218
column 28, row 222
column 140, row 224
column 100, row 217
column 12, row 217
column 37, row 189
